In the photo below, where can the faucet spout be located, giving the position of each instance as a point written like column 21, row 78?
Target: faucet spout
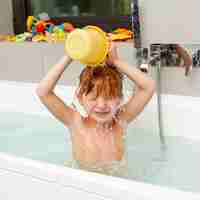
column 186, row 57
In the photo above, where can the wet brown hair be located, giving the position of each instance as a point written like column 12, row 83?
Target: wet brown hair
column 103, row 80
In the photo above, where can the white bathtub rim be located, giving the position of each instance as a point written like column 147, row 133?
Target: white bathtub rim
column 109, row 187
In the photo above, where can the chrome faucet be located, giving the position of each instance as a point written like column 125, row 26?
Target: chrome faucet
column 171, row 55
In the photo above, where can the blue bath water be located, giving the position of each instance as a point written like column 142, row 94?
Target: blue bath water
column 42, row 138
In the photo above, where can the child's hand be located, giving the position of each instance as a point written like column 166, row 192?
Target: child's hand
column 67, row 57
column 112, row 56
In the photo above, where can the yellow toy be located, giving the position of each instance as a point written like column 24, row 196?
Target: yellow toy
column 31, row 21
column 39, row 38
column 89, row 45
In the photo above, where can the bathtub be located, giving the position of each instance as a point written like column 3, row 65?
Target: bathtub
column 24, row 178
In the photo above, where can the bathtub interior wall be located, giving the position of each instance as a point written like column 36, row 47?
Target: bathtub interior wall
column 181, row 116
column 21, row 97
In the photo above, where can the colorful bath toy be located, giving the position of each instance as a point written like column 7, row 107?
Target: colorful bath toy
column 31, row 22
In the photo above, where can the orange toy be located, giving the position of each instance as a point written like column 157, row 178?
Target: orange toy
column 121, row 34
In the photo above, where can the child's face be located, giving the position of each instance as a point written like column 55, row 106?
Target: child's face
column 101, row 109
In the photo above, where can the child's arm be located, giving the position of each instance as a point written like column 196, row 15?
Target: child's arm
column 47, row 96
column 145, row 86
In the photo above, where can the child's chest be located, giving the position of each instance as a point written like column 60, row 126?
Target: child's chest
column 99, row 141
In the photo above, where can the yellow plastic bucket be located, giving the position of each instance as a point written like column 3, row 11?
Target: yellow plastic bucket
column 88, row 45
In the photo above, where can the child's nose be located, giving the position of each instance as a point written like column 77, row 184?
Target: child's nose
column 101, row 104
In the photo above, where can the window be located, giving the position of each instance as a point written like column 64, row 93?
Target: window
column 64, row 8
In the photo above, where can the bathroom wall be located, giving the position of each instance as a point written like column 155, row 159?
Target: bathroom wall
column 171, row 21
column 29, row 62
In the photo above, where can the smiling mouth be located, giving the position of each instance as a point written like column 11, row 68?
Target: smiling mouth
column 102, row 113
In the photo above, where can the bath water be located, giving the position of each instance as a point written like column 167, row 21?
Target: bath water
column 42, row 138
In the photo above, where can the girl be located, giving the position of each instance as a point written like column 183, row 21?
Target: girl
column 97, row 140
